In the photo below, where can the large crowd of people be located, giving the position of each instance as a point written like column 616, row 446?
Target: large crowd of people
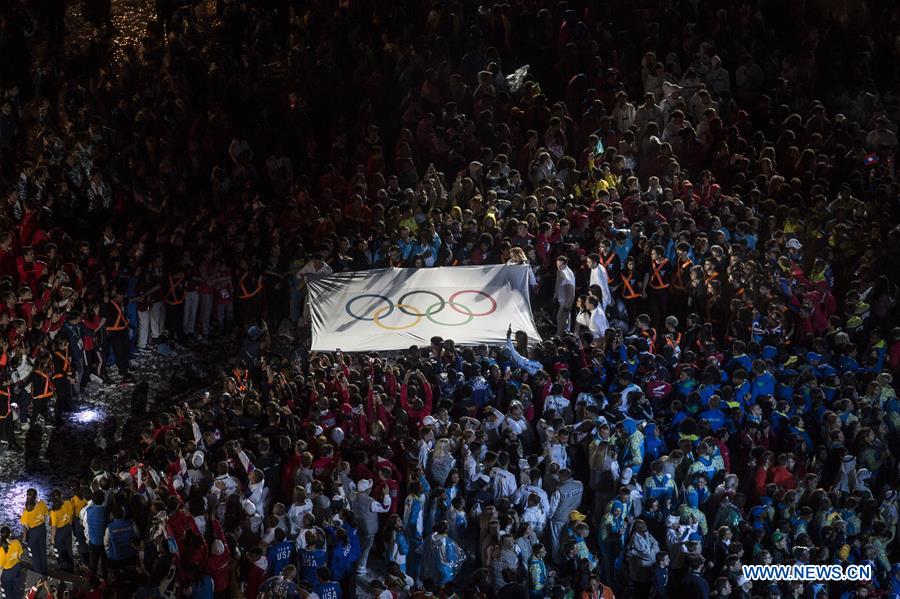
column 705, row 191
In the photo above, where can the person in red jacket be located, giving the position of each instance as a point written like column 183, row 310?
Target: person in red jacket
column 783, row 474
column 760, row 478
column 289, row 470
column 29, row 270
column 254, row 566
column 416, row 408
column 218, row 566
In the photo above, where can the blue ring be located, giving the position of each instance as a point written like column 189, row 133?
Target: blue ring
column 381, row 297
column 403, row 297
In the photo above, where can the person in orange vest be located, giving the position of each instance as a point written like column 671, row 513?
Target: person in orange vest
column 610, row 261
column 117, row 330
column 42, row 389
column 7, row 432
column 63, row 376
column 681, row 279
column 656, row 285
column 629, row 285
column 176, row 288
column 247, row 295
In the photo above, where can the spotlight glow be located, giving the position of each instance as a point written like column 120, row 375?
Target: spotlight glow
column 86, row 416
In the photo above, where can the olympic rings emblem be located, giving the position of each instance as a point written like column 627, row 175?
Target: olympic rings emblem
column 388, row 306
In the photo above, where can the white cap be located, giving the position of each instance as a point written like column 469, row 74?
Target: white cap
column 429, row 420
column 217, row 547
column 794, row 244
column 626, row 475
column 364, row 485
column 197, row 459
column 249, row 507
column 337, row 435
column 863, row 474
column 319, row 430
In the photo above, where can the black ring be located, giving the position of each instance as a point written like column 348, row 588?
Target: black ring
column 381, row 297
column 431, row 293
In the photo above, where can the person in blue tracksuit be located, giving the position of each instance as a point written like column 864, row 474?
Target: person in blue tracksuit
column 325, row 587
column 280, row 553
column 312, row 558
column 763, row 381
column 119, row 539
column 343, row 554
column 414, row 524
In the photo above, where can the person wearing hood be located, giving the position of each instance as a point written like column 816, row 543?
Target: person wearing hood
column 612, row 539
column 632, row 455
column 690, row 510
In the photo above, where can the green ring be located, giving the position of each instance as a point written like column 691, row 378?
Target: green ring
column 431, row 310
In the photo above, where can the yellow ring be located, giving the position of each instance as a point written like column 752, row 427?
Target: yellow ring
column 376, row 315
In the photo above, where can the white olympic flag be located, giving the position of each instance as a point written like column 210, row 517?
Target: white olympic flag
column 395, row 308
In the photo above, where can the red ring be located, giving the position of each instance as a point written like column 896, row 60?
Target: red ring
column 487, row 295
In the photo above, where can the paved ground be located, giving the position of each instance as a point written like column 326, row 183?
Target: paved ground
column 55, row 456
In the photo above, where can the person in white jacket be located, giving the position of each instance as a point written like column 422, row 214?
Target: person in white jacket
column 641, row 552
column 598, row 322
column 564, row 295
column 600, row 278
column 534, row 513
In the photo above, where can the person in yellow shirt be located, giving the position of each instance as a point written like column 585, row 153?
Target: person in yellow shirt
column 12, row 578
column 34, row 521
column 61, row 516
